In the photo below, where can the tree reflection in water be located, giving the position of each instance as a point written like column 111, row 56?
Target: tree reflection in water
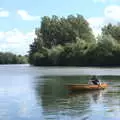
column 57, row 100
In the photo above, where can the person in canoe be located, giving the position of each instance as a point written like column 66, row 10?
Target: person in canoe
column 94, row 80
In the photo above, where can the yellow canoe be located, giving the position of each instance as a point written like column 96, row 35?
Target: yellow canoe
column 78, row 87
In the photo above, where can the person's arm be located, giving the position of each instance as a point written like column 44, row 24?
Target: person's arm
column 100, row 82
column 90, row 82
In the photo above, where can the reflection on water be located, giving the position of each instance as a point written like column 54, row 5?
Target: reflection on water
column 59, row 103
column 29, row 93
column 95, row 96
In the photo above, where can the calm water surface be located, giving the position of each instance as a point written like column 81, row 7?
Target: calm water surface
column 38, row 93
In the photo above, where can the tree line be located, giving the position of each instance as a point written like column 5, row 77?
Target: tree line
column 70, row 42
column 10, row 58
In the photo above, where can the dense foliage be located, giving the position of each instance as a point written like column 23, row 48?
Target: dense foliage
column 70, row 42
column 10, row 58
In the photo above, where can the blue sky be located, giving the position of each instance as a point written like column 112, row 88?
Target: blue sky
column 18, row 19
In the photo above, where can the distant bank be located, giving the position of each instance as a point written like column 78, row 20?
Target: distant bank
column 10, row 58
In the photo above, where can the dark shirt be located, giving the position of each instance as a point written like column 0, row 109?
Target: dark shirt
column 95, row 81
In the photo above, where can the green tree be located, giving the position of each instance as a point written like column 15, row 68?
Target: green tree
column 113, row 30
column 56, row 30
column 10, row 58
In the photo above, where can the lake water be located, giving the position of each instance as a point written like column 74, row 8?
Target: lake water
column 38, row 93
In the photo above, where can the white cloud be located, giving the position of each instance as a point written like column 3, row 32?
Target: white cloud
column 112, row 12
column 111, row 15
column 3, row 13
column 25, row 16
column 96, row 23
column 16, row 41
